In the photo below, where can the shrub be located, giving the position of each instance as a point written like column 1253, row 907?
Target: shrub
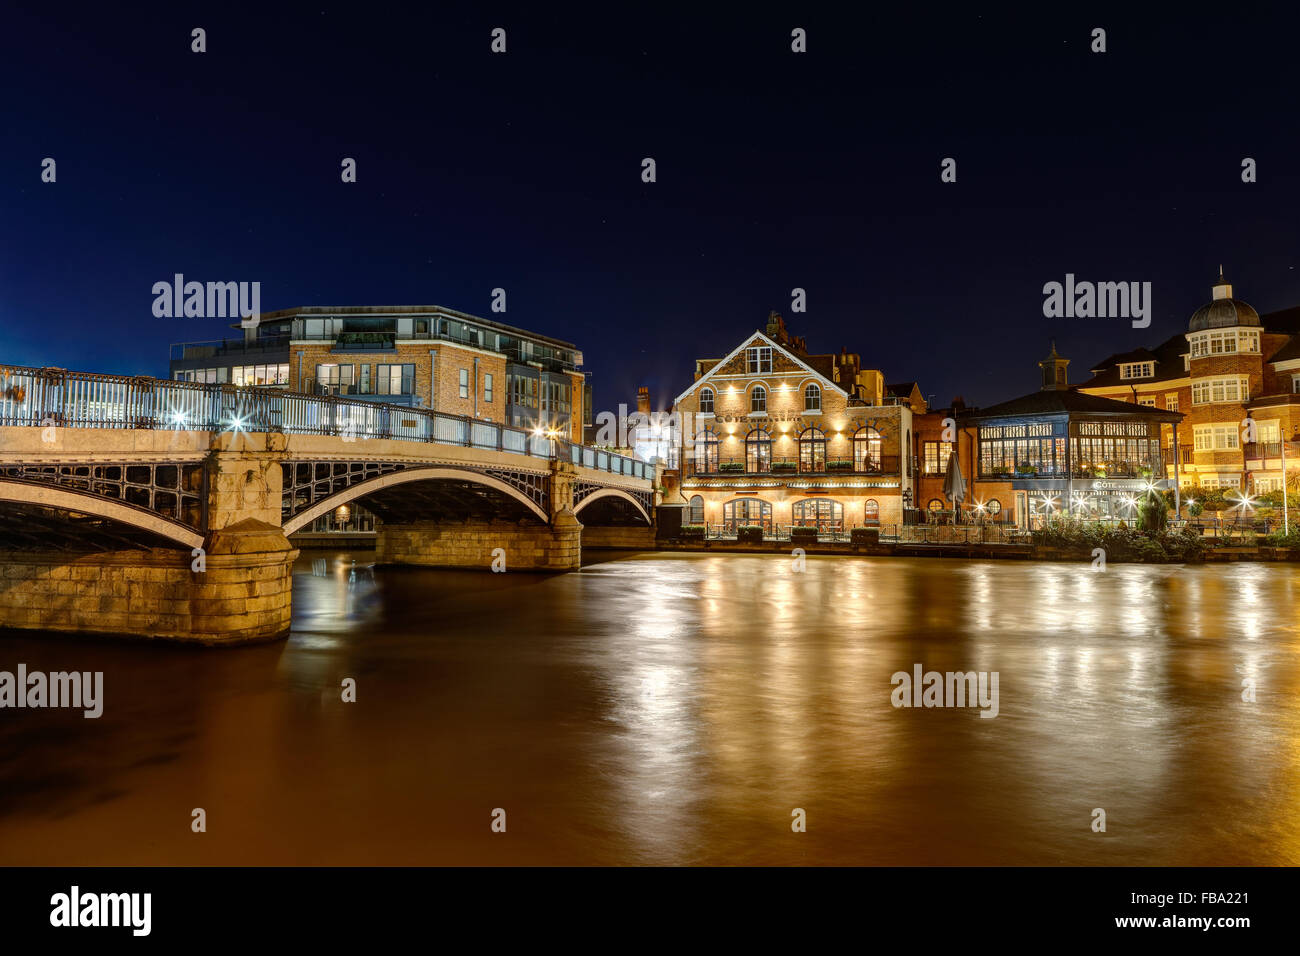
column 750, row 533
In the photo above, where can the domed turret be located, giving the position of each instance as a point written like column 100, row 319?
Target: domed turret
column 1222, row 311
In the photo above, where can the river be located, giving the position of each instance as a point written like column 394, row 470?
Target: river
column 678, row 709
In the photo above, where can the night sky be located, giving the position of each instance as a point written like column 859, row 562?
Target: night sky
column 523, row 171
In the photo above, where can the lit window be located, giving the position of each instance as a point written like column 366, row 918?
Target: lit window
column 1137, row 370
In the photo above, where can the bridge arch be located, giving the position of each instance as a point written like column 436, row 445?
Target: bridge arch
column 618, row 493
column 63, row 499
column 370, row 485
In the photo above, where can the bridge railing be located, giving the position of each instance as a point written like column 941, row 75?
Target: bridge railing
column 49, row 396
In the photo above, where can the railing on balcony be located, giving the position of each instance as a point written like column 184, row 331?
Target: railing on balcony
column 1264, row 449
column 261, row 346
column 47, row 397
column 786, row 467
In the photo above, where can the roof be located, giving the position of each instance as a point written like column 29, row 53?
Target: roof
column 902, row 389
column 1067, row 401
column 1168, row 356
column 363, row 310
column 796, row 357
column 1222, row 314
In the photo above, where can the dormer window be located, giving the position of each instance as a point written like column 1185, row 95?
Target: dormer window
column 1137, row 370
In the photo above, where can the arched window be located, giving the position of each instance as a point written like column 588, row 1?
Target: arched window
column 993, row 507
column 866, row 449
column 695, row 514
column 936, row 504
column 812, row 450
column 871, row 512
column 758, row 451
column 747, row 511
column 706, row 401
column 812, row 398
column 706, row 451
column 820, row 513
column 758, row 399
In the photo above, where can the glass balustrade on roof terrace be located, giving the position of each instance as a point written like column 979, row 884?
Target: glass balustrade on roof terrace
column 376, row 333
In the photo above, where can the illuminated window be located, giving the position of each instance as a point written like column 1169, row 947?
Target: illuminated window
column 866, row 450
column 812, row 450
column 758, row 451
column 747, row 511
column 820, row 513
column 706, row 451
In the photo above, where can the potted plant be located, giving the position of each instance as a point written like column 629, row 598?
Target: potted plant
column 750, row 534
column 803, row 535
column 691, row 532
column 864, row 536
column 839, row 465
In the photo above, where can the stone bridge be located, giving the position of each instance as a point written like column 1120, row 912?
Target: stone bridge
column 146, row 507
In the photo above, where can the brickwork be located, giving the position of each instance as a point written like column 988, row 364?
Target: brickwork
column 527, row 547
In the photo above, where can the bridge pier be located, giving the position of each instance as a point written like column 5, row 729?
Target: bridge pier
column 235, row 590
column 506, row 545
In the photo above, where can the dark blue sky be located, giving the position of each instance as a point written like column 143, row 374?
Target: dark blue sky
column 522, row 171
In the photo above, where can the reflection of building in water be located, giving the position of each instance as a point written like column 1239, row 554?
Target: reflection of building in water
column 348, row 525
column 773, row 435
column 1053, row 449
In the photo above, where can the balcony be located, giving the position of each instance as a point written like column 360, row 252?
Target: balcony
column 786, row 468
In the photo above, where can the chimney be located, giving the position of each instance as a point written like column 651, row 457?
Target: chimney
column 643, row 400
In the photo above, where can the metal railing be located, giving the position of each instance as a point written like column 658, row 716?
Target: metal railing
column 785, row 467
column 43, row 397
column 993, row 534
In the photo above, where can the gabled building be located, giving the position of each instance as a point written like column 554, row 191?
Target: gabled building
column 1229, row 366
column 775, row 436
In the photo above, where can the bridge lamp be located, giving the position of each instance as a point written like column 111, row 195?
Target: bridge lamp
column 237, row 424
column 178, row 419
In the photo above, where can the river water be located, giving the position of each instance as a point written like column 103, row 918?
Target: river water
column 677, row 709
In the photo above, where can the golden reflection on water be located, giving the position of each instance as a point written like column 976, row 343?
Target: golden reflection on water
column 677, row 708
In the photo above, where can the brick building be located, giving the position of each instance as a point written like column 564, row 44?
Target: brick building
column 775, row 436
column 422, row 356
column 1231, row 364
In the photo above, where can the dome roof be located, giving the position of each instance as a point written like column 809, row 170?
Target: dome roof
column 1223, row 311
column 1222, row 314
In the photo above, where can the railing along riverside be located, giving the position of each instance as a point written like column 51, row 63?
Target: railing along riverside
column 43, row 397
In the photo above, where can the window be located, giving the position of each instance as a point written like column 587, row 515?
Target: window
column 1215, row 437
column 1224, row 342
column 866, row 450
column 1171, row 401
column 464, row 383
column 394, row 379
column 812, row 398
column 758, row 360
column 747, row 511
column 820, row 513
column 758, row 451
column 335, row 379
column 871, row 512
column 696, row 513
column 706, row 401
column 487, row 387
column 812, row 450
column 758, row 399
column 935, row 504
column 1148, row 401
column 935, row 457
column 993, row 506
column 1213, row 390
column 1295, row 384
column 259, row 374
column 706, row 451
column 1137, row 369
column 522, row 391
